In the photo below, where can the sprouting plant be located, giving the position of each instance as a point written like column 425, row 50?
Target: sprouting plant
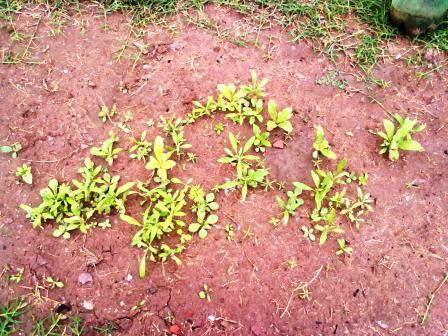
column 179, row 143
column 229, row 231
column 236, row 156
column 171, row 125
column 253, row 110
column 343, row 248
column 261, row 139
column 201, row 110
column 17, row 277
column 174, row 127
column 163, row 215
column 324, row 182
column 363, row 179
column 141, row 147
column 219, row 127
column 205, row 293
column 328, row 228
column 274, row 221
column 321, row 145
column 290, row 206
column 107, row 150
column 203, row 206
column 400, row 138
column 351, row 177
column 232, row 100
column 279, row 119
column 354, row 211
column 160, row 162
column 246, row 178
column 292, row 263
column 308, row 233
column 10, row 314
column 256, row 88
column 97, row 193
column 53, row 283
column 192, row 157
column 14, row 149
column 106, row 113
column 24, row 172
column 105, row 224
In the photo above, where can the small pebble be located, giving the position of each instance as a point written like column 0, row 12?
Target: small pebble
column 88, row 305
column 85, row 278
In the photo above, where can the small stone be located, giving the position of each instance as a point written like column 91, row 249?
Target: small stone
column 382, row 325
column 152, row 290
column 88, row 305
column 40, row 260
column 85, row 278
column 8, row 220
column 278, row 144
column 175, row 329
column 129, row 277
column 145, row 66
column 211, row 318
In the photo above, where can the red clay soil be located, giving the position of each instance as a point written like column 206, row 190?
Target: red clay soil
column 399, row 257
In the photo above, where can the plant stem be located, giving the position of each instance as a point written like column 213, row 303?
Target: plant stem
column 431, row 299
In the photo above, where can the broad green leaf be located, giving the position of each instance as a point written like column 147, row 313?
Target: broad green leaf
column 212, row 219
column 203, row 233
column 129, row 220
column 194, row 227
column 158, row 148
column 389, row 127
column 410, row 145
column 233, row 142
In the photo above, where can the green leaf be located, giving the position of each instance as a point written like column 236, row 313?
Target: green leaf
column 194, row 227
column 410, row 145
column 271, row 125
column 212, row 219
column 233, row 142
column 203, row 233
column 129, row 220
column 142, row 267
column 6, row 149
column 158, row 148
column 389, row 127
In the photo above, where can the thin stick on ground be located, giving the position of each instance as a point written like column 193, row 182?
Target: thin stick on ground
column 301, row 286
column 431, row 299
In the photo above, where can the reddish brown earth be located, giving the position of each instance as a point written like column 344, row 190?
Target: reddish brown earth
column 399, row 257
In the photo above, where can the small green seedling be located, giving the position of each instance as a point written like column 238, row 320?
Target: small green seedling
column 279, row 119
column 343, row 248
column 24, row 172
column 141, row 147
column 400, row 138
column 274, row 221
column 53, row 283
column 363, row 178
column 328, row 228
column 17, row 277
column 229, row 231
column 203, row 206
column 308, row 233
column 14, row 149
column 107, row 150
column 192, row 157
column 205, row 293
column 292, row 263
column 160, row 162
column 261, row 139
column 219, row 128
column 236, row 156
column 321, row 145
column 290, row 206
column 354, row 211
column 106, row 113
